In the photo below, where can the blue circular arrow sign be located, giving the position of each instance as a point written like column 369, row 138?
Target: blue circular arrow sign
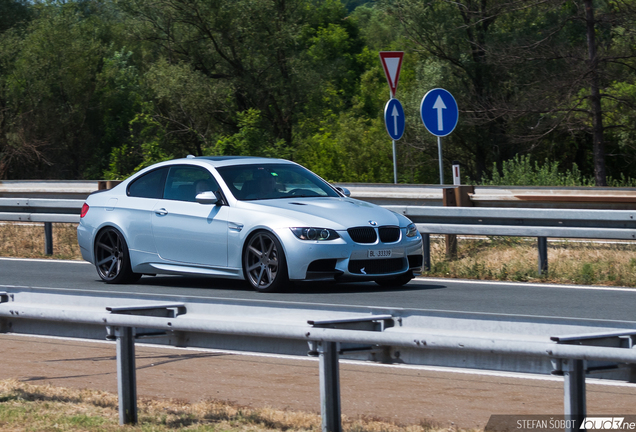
column 394, row 119
column 439, row 112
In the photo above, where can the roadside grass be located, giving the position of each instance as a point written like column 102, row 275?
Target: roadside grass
column 516, row 259
column 26, row 240
column 492, row 258
column 26, row 407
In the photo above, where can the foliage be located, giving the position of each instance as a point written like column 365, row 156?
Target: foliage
column 520, row 171
column 251, row 139
column 101, row 89
column 521, row 74
column 13, row 13
column 62, row 93
column 348, row 149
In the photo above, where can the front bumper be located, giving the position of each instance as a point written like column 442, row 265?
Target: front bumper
column 344, row 259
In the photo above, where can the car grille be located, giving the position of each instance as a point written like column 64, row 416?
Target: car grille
column 416, row 261
column 323, row 269
column 362, row 234
column 376, row 267
column 323, row 265
column 389, row 234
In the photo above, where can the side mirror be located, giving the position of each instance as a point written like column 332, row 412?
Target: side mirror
column 346, row 192
column 207, row 197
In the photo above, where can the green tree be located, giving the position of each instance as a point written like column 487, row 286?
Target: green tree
column 260, row 55
column 13, row 13
column 67, row 93
column 529, row 76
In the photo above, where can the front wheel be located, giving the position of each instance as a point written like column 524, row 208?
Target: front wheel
column 112, row 259
column 264, row 263
column 397, row 281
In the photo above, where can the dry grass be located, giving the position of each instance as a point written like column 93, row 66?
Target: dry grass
column 496, row 258
column 515, row 259
column 26, row 240
column 25, row 407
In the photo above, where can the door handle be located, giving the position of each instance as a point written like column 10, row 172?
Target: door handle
column 161, row 212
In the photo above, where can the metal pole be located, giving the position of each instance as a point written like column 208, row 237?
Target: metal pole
column 329, row 387
column 48, row 238
column 574, row 392
column 394, row 165
column 426, row 246
column 394, row 156
column 126, row 376
column 543, row 254
column 441, row 165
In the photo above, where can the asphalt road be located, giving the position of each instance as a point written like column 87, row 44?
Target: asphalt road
column 449, row 397
column 497, row 298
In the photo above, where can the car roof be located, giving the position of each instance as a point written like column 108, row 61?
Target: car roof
column 220, row 161
column 214, row 161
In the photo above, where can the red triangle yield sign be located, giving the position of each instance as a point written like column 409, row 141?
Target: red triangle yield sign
column 392, row 63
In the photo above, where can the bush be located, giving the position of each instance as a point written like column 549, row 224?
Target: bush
column 520, row 171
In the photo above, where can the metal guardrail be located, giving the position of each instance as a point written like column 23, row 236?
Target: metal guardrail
column 40, row 210
column 525, row 222
column 328, row 334
column 385, row 194
column 540, row 223
column 499, row 196
column 43, row 210
column 51, row 189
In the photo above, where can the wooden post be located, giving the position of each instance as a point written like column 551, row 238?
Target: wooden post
column 462, row 195
column 458, row 196
column 449, row 200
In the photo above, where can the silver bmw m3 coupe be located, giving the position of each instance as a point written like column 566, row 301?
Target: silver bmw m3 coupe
column 267, row 221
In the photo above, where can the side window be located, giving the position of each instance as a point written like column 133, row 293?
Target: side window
column 184, row 183
column 149, row 185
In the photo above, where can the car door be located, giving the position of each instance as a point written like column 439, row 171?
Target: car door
column 184, row 230
column 134, row 212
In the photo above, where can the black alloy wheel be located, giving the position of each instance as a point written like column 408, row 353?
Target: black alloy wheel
column 264, row 263
column 112, row 259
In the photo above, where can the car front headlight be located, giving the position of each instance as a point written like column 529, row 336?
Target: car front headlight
column 411, row 230
column 311, row 233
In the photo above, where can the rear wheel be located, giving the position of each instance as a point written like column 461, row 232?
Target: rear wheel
column 397, row 281
column 264, row 263
column 112, row 259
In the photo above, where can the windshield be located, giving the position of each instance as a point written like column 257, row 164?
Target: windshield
column 271, row 181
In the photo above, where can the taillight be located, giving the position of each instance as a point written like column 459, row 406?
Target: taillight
column 84, row 210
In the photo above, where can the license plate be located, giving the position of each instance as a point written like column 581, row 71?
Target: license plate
column 382, row 253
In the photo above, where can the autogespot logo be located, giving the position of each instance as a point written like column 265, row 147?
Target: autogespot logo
column 607, row 423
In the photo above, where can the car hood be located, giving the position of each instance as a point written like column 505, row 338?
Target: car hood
column 334, row 213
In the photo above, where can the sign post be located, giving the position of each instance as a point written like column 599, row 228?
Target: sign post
column 393, row 110
column 439, row 114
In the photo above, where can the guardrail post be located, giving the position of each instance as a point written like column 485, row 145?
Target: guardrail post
column 426, row 248
column 328, row 353
column 574, row 392
column 329, row 387
column 542, row 244
column 126, row 375
column 48, row 238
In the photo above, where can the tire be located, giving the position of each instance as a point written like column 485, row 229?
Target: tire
column 112, row 259
column 397, row 281
column 264, row 264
